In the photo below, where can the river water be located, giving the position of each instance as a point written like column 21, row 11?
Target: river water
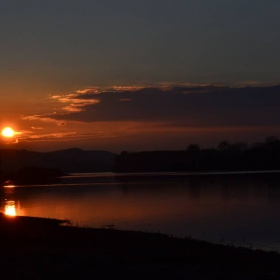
column 229, row 208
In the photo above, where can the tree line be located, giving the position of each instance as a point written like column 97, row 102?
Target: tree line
column 226, row 156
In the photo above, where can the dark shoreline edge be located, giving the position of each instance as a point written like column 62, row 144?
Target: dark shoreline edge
column 40, row 248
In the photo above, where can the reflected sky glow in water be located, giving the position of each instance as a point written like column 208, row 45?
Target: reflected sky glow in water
column 221, row 209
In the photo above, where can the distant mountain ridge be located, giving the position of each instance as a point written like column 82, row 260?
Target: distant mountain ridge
column 69, row 160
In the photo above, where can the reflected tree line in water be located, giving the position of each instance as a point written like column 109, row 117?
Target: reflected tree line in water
column 226, row 156
column 30, row 175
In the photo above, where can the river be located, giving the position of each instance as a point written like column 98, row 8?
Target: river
column 242, row 209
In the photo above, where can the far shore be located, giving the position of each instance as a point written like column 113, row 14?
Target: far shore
column 40, row 248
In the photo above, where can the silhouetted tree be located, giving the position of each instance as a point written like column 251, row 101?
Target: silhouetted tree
column 193, row 148
column 223, row 146
column 257, row 145
column 239, row 146
column 271, row 139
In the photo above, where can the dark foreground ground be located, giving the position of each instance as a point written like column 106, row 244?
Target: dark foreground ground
column 34, row 248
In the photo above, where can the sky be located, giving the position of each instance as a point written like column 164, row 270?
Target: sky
column 138, row 75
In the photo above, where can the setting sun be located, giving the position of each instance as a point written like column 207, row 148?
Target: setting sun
column 8, row 132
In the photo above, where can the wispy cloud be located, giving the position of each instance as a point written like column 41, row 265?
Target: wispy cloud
column 49, row 136
column 70, row 136
column 45, row 118
column 92, row 90
column 75, row 104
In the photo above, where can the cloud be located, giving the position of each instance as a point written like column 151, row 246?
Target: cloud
column 125, row 99
column 49, row 136
column 71, row 136
column 37, row 117
column 188, row 105
column 76, row 104
column 62, row 124
column 93, row 90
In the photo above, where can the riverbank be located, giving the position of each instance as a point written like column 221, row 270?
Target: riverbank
column 36, row 248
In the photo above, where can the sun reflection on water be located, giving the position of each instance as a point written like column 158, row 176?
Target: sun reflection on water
column 10, row 208
column 10, row 205
column 9, row 186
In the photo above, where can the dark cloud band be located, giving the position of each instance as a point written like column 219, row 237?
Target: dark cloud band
column 189, row 106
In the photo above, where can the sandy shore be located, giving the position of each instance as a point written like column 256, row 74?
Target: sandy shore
column 35, row 248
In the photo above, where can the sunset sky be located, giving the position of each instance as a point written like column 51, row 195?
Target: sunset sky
column 138, row 75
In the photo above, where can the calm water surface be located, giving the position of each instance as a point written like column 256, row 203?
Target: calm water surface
column 243, row 209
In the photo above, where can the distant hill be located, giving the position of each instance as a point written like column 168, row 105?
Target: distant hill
column 69, row 160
